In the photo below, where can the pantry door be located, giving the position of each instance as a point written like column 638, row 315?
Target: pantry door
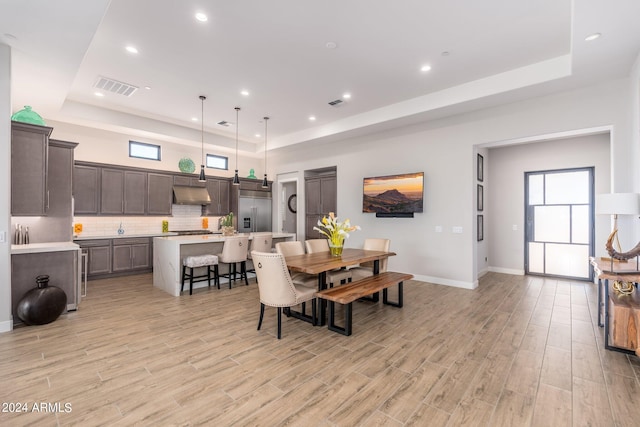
column 559, row 231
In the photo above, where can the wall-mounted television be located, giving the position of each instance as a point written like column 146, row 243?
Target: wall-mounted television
column 394, row 195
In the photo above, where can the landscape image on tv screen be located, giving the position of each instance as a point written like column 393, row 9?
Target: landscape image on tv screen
column 393, row 193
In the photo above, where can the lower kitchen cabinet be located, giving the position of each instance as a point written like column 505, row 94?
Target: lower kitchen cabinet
column 131, row 254
column 117, row 257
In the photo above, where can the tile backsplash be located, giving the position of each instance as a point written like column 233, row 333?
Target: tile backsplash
column 184, row 217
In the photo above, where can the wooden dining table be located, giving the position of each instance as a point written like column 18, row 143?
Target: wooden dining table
column 321, row 262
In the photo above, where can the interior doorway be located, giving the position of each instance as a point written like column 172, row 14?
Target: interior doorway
column 559, row 235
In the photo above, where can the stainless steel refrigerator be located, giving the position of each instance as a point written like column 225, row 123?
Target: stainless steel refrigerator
column 254, row 211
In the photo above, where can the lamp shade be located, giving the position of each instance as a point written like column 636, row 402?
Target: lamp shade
column 618, row 204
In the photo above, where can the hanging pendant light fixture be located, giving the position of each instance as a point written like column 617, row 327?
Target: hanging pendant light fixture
column 202, row 177
column 265, row 184
column 236, row 178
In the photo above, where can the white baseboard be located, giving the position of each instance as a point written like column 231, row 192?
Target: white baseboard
column 447, row 282
column 6, row 326
column 507, row 271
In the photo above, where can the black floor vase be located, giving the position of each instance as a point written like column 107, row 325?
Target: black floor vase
column 43, row 304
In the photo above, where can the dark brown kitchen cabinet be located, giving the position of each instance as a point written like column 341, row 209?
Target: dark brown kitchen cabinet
column 131, row 254
column 188, row 181
column 135, row 190
column 99, row 256
column 159, row 194
column 111, row 191
column 321, row 198
column 86, row 190
column 218, row 190
column 29, row 166
column 122, row 192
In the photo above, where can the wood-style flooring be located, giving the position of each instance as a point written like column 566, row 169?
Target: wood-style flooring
column 518, row 351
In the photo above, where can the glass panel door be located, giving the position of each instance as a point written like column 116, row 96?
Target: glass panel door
column 559, row 222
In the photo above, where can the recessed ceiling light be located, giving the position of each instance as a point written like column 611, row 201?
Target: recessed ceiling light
column 312, row 118
column 331, row 45
column 194, row 119
column 244, row 92
column 201, row 17
column 147, row 87
column 425, row 68
column 346, row 95
column 592, row 37
column 258, row 135
column 99, row 94
column 445, row 53
column 131, row 49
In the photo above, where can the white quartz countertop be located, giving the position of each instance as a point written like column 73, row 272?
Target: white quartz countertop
column 33, row 248
column 124, row 236
column 212, row 238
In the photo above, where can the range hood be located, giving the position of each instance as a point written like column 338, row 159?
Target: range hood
column 184, row 195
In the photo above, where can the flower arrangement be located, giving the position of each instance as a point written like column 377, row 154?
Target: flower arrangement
column 226, row 223
column 335, row 231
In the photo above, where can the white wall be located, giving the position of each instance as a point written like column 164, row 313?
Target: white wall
column 101, row 146
column 506, row 204
column 6, row 323
column 445, row 150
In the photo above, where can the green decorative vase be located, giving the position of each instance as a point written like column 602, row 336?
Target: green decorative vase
column 27, row 115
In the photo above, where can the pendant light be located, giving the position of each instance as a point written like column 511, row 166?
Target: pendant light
column 236, row 179
column 202, row 177
column 265, row 184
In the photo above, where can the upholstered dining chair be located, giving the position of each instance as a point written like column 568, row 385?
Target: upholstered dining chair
column 292, row 248
column 261, row 242
column 276, row 287
column 339, row 275
column 234, row 252
column 366, row 268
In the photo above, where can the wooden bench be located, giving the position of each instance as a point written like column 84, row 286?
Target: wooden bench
column 348, row 293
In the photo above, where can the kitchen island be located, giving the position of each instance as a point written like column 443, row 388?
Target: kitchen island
column 169, row 251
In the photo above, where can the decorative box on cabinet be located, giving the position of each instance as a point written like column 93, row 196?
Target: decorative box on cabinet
column 29, row 165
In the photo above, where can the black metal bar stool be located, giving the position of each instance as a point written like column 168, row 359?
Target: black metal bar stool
column 196, row 261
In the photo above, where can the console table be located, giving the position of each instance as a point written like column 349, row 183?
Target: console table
column 618, row 313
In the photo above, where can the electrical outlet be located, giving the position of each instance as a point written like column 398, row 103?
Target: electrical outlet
column 3, row 236
column 457, row 230
column 514, row 227
column 438, row 229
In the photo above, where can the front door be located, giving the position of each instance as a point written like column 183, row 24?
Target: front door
column 559, row 222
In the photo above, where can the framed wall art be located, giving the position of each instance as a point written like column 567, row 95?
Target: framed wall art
column 480, row 228
column 480, row 168
column 480, row 197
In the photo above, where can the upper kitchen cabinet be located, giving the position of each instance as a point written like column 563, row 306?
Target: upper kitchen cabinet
column 219, row 192
column 135, row 192
column 86, row 189
column 159, row 194
column 122, row 192
column 188, row 181
column 29, row 165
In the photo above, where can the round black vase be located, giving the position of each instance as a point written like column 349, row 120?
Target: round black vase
column 43, row 304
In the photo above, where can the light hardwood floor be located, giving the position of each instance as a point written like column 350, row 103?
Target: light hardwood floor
column 518, row 351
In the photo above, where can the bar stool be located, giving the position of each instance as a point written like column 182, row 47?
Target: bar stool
column 196, row 261
column 261, row 242
column 234, row 251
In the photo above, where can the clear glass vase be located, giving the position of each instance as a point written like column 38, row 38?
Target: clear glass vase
column 336, row 250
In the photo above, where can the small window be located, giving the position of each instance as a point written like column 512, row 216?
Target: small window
column 217, row 162
column 144, row 151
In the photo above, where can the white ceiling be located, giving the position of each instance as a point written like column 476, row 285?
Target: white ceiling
column 498, row 51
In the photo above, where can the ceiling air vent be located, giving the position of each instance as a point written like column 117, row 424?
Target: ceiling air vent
column 224, row 123
column 336, row 103
column 114, row 86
